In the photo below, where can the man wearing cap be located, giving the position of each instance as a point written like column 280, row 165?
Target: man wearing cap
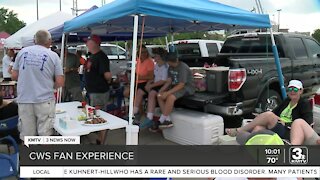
column 294, row 108
column 97, row 76
column 97, row 73
column 179, row 84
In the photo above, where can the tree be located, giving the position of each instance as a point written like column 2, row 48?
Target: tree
column 316, row 35
column 9, row 21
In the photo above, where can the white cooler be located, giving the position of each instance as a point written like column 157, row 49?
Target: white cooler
column 194, row 128
column 316, row 118
column 227, row 140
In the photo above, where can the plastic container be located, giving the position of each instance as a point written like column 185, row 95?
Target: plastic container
column 9, row 89
column 316, row 118
column 194, row 128
column 217, row 79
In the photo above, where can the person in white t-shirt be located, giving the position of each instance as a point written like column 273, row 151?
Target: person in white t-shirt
column 153, row 87
column 6, row 61
column 38, row 71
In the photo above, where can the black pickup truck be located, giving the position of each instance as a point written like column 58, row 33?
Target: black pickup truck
column 250, row 83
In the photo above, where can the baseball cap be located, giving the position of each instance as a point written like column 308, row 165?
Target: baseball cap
column 262, row 137
column 171, row 56
column 295, row 83
column 94, row 38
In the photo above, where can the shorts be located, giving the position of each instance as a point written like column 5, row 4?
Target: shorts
column 99, row 99
column 36, row 118
column 157, row 88
column 73, row 94
column 142, row 87
column 181, row 93
column 282, row 131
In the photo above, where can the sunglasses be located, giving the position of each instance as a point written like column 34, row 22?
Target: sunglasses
column 290, row 89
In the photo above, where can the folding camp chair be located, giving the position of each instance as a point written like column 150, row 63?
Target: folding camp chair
column 9, row 123
column 9, row 162
column 8, row 159
column 117, row 107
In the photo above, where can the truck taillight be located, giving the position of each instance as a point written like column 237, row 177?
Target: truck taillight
column 237, row 77
column 312, row 101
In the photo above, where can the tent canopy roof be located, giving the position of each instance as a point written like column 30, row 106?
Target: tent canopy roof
column 24, row 37
column 166, row 16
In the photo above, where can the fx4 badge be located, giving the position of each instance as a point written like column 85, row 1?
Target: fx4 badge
column 254, row 72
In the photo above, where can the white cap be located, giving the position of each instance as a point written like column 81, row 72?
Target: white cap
column 295, row 83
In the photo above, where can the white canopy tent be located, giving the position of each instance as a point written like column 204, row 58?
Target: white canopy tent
column 24, row 37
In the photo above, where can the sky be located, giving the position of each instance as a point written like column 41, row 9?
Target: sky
column 297, row 15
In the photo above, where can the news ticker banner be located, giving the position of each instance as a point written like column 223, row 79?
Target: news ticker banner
column 166, row 171
column 172, row 155
column 58, row 161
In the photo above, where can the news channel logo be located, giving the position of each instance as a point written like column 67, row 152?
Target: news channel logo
column 298, row 155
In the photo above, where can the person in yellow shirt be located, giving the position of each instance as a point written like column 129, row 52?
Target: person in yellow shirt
column 291, row 111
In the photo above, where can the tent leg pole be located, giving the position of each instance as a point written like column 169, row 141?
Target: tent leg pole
column 167, row 43
column 61, row 57
column 132, row 82
column 172, row 46
column 278, row 65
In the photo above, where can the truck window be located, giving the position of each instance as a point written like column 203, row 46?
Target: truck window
column 106, row 50
column 258, row 44
column 212, row 49
column 116, row 51
column 298, row 47
column 188, row 49
column 313, row 46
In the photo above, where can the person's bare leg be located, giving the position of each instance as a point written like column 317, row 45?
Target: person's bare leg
column 300, row 131
column 169, row 105
column 258, row 128
column 267, row 120
column 161, row 103
column 151, row 101
column 138, row 101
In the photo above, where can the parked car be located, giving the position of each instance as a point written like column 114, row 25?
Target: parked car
column 197, row 52
column 116, row 54
column 249, row 81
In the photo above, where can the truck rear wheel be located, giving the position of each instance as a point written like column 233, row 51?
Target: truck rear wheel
column 268, row 101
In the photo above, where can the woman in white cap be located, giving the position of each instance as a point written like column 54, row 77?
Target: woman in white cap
column 280, row 120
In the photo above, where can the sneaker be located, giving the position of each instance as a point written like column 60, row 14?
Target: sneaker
column 165, row 124
column 136, row 120
column 146, row 123
column 155, row 126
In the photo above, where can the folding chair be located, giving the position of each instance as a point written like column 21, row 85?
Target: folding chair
column 117, row 108
column 9, row 123
column 9, row 162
